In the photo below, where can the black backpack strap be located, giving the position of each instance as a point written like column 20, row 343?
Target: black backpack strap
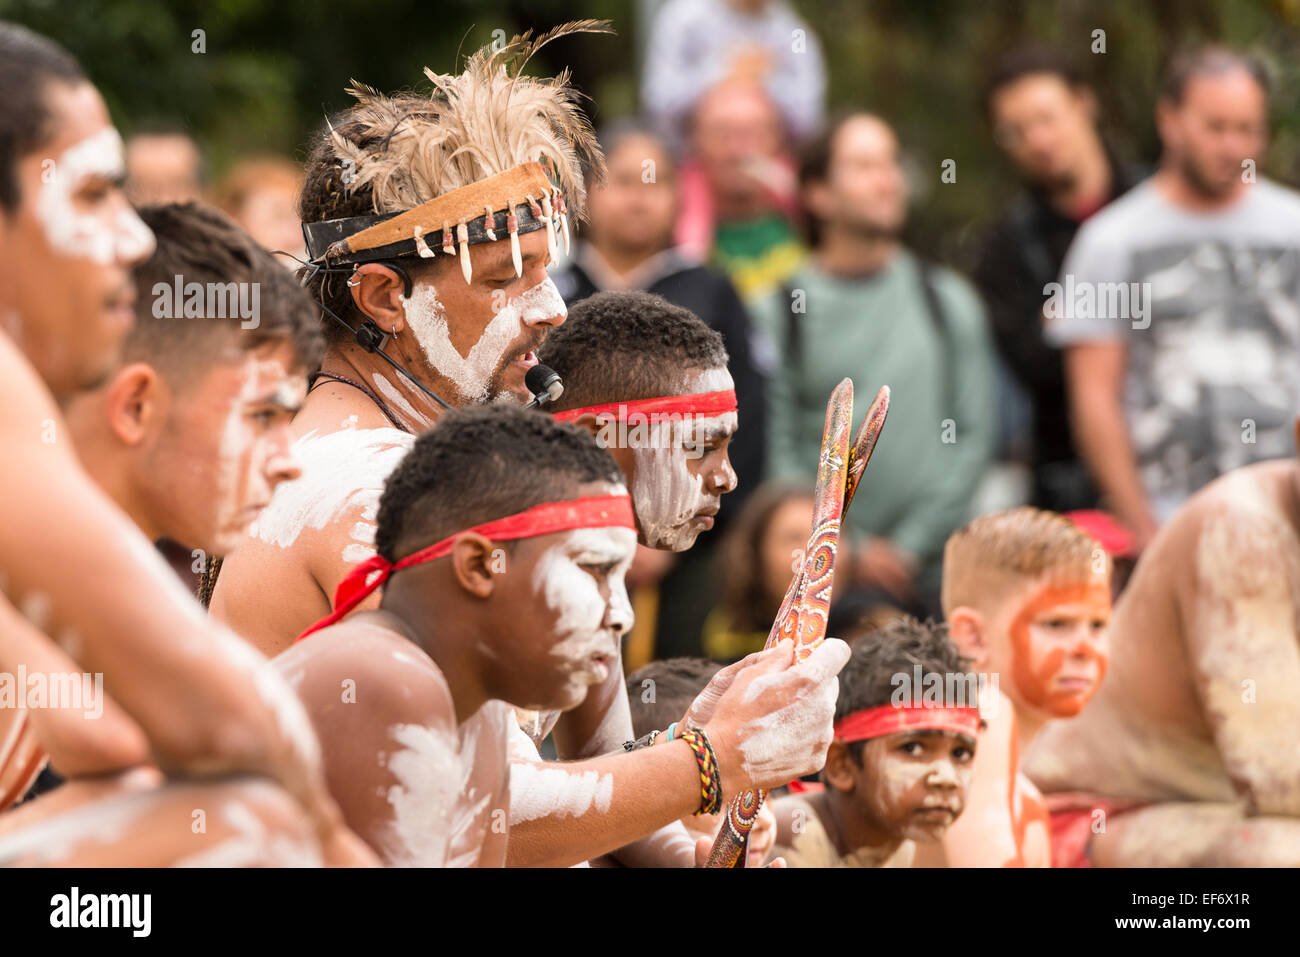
column 939, row 318
column 793, row 343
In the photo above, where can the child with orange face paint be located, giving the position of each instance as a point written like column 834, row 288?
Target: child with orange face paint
column 897, row 773
column 1027, row 597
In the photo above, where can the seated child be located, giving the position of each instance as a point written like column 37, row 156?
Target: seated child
column 659, row 695
column 1027, row 598
column 898, row 770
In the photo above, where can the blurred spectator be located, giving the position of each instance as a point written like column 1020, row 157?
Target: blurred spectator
column 1044, row 117
column 627, row 244
column 695, row 45
column 760, row 554
column 261, row 195
column 163, row 167
column 1178, row 307
column 738, row 191
column 867, row 308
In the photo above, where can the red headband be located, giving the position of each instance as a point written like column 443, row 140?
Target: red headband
column 890, row 719
column 699, row 403
column 601, row 511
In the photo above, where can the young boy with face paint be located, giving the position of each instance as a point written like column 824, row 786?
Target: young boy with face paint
column 898, row 771
column 510, row 535
column 72, row 566
column 1027, row 597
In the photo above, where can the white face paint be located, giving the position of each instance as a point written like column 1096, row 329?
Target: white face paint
column 342, row 471
column 572, row 592
column 472, row 374
column 242, row 485
column 85, row 235
column 667, row 497
column 902, row 786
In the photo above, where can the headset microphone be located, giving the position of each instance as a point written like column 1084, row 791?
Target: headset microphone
column 544, row 384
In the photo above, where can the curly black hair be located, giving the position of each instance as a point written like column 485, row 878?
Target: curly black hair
column 871, row 676
column 480, row 464
column 621, row 345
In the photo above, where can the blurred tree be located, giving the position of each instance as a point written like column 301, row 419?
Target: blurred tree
column 270, row 72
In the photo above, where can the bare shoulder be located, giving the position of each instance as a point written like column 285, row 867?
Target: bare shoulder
column 314, row 530
column 363, row 663
column 1247, row 543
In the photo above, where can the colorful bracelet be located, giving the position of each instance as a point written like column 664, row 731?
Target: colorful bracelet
column 710, row 780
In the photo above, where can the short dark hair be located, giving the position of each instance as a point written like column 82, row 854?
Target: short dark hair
column 1209, row 59
column 199, row 244
column 622, row 345
column 1032, row 60
column 677, row 683
column 867, row 680
column 29, row 63
column 481, row 464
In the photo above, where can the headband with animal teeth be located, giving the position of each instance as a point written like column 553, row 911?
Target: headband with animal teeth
column 507, row 200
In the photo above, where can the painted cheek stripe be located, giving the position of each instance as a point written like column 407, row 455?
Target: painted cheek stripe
column 599, row 511
column 890, row 719
column 705, row 404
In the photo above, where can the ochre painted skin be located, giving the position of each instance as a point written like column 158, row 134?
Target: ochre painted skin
column 1058, row 673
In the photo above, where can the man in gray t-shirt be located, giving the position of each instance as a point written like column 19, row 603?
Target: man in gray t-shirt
column 1179, row 304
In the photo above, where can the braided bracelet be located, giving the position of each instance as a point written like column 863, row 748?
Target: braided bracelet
column 710, row 780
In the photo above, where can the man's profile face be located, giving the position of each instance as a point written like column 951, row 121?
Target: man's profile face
column 1221, row 123
column 678, row 470
column 1043, row 125
column 633, row 210
column 565, row 599
column 482, row 337
column 226, row 444
column 67, row 250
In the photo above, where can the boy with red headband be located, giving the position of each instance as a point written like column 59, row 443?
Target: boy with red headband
column 502, row 541
column 906, row 726
column 1027, row 597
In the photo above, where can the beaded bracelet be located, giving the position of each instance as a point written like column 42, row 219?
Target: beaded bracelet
column 710, row 780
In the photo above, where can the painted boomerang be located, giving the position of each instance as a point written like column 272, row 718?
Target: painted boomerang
column 807, row 602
